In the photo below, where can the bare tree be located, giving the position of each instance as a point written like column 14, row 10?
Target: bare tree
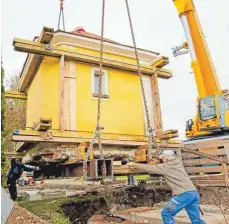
column 15, row 112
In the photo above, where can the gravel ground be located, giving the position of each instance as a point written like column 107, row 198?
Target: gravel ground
column 215, row 196
column 20, row 215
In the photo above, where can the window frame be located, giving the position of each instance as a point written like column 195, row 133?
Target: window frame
column 105, row 94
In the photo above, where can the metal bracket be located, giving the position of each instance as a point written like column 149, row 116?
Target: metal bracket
column 178, row 50
column 47, row 136
column 48, row 47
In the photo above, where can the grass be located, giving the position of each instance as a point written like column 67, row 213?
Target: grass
column 50, row 209
column 136, row 177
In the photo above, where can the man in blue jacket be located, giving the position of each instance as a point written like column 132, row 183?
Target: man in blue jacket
column 16, row 170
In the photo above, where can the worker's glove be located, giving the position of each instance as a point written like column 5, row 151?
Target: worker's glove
column 124, row 161
column 131, row 165
column 154, row 161
column 37, row 168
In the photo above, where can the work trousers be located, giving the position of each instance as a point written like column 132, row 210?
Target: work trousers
column 13, row 190
column 131, row 180
column 190, row 201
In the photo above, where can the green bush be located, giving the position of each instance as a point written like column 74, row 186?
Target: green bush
column 3, row 139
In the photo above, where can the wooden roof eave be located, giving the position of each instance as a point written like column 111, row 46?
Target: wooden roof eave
column 38, row 50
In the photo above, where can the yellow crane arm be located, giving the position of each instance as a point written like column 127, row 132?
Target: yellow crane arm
column 205, row 75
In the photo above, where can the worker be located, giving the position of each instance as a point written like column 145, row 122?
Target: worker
column 184, row 192
column 131, row 180
column 16, row 170
column 130, row 177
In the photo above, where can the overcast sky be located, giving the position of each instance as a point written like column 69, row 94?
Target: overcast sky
column 157, row 28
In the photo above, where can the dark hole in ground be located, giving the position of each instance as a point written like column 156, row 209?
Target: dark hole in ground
column 80, row 212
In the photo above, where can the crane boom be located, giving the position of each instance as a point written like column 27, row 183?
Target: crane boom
column 212, row 105
column 202, row 64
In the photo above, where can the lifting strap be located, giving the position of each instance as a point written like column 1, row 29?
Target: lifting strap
column 98, row 128
column 152, row 140
column 61, row 13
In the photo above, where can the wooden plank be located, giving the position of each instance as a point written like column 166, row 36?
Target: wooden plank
column 225, row 169
column 72, row 54
column 122, row 170
column 33, row 62
column 156, row 104
column 226, row 148
column 199, row 161
column 46, row 120
column 210, row 181
column 207, row 177
column 18, row 145
column 72, row 96
column 160, row 62
column 169, row 131
column 168, row 136
column 173, row 145
column 149, row 101
column 66, row 101
column 15, row 95
column 43, row 126
column 213, row 185
column 88, row 135
column 216, row 183
column 178, row 152
column 117, row 163
column 70, row 115
column 211, row 154
column 13, row 155
column 207, row 143
column 61, row 96
column 26, row 138
column 29, row 70
column 46, row 35
column 205, row 169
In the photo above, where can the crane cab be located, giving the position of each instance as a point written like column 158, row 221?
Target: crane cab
column 212, row 116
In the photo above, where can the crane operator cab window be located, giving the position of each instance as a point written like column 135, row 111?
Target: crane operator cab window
column 223, row 105
column 207, row 108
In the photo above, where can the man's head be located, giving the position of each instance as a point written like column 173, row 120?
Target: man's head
column 166, row 155
column 18, row 161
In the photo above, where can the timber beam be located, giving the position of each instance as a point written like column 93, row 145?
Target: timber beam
column 46, row 35
column 215, row 158
column 160, row 62
column 15, row 95
column 33, row 62
column 156, row 104
column 30, row 67
column 207, row 143
column 55, row 139
column 41, row 49
column 14, row 155
column 58, row 137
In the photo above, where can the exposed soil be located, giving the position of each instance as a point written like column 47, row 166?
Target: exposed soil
column 106, row 199
column 218, row 196
column 131, row 197
column 100, row 201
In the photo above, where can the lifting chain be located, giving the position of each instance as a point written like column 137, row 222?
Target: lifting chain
column 152, row 139
column 61, row 13
column 99, row 128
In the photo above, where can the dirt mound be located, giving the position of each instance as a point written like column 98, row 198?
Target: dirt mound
column 81, row 211
column 218, row 196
